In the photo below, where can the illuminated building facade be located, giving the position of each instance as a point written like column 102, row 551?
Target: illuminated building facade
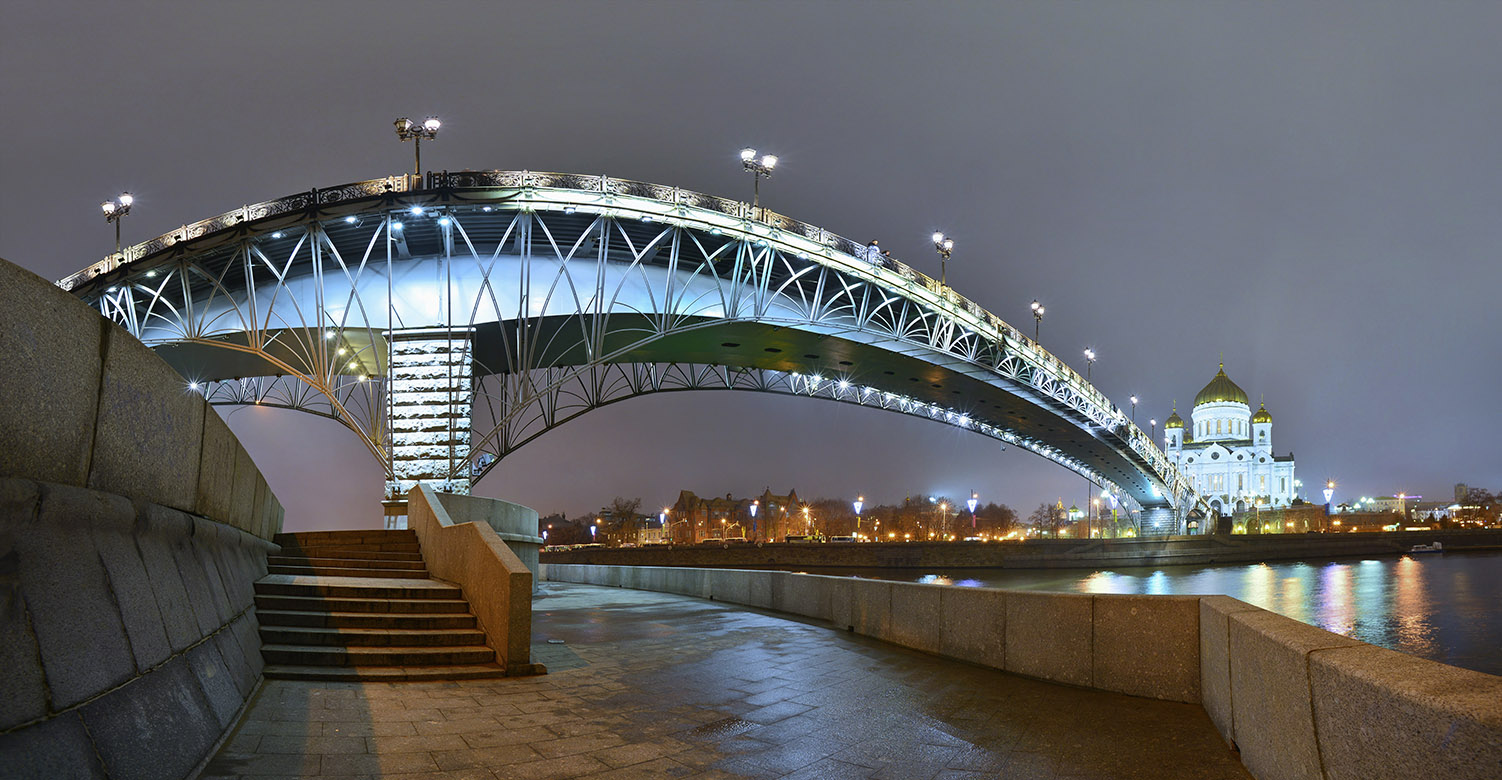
column 1227, row 451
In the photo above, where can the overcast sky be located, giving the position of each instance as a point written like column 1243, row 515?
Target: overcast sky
column 1311, row 189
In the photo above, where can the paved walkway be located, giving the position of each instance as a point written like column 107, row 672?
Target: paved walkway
column 649, row 685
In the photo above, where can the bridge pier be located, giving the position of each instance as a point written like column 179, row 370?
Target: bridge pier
column 430, row 393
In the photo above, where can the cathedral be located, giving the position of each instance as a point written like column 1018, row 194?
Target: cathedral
column 1228, row 451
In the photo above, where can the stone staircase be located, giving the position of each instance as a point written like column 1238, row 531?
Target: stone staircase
column 359, row 605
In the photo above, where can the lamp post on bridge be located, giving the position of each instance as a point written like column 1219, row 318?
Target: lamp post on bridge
column 1134, row 410
column 1089, row 363
column 757, row 168
column 1153, row 431
column 407, row 130
column 943, row 245
column 114, row 210
column 1037, row 318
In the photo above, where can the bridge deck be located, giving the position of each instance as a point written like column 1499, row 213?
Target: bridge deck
column 655, row 685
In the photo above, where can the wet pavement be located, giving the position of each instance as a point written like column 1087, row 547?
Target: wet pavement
column 651, row 685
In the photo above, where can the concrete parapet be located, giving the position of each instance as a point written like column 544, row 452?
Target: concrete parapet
column 1051, row 636
column 1382, row 714
column 1147, row 646
column 1215, row 660
column 514, row 523
column 472, row 555
column 916, row 612
column 973, row 626
column 1271, row 709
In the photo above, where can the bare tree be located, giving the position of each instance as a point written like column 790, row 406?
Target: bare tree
column 623, row 516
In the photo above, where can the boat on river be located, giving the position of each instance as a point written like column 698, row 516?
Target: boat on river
column 1437, row 547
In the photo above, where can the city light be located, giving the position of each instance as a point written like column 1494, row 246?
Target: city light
column 114, row 210
column 1089, row 362
column 1037, row 318
column 943, row 245
column 407, row 130
column 757, row 168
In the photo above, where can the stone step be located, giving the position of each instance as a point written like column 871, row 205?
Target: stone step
column 371, row 637
column 355, row 587
column 303, row 655
column 314, row 619
column 345, row 537
column 343, row 571
column 353, row 563
column 299, row 603
column 354, row 553
column 384, row 673
column 322, row 550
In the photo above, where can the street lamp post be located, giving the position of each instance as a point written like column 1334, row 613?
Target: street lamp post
column 757, row 167
column 943, row 245
column 1134, row 409
column 1153, row 430
column 860, row 501
column 407, row 130
column 1089, row 362
column 1037, row 318
column 114, row 210
column 972, row 503
column 754, row 530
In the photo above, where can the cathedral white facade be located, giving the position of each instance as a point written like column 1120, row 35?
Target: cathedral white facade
column 1227, row 451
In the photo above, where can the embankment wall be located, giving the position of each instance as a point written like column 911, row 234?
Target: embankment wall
column 132, row 527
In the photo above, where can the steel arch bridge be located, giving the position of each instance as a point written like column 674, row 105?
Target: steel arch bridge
column 450, row 319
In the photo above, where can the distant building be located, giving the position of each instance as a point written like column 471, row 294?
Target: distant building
column 1228, row 451
column 767, row 517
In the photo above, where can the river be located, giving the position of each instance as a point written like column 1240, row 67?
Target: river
column 1446, row 607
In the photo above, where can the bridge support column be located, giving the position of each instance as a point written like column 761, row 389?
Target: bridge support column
column 1159, row 521
column 430, row 395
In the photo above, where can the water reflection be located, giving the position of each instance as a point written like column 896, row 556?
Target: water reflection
column 1441, row 607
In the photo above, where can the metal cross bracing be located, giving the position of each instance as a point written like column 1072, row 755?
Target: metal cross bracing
column 554, row 281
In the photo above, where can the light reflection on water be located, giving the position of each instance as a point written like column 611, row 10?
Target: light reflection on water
column 1445, row 607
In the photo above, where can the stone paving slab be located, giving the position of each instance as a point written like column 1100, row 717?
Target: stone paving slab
column 651, row 685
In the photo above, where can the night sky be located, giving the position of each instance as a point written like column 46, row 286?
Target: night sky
column 1310, row 189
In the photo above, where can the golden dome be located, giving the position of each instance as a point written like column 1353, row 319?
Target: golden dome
column 1221, row 390
column 1262, row 416
column 1173, row 421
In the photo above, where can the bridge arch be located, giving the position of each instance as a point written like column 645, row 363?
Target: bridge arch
column 451, row 318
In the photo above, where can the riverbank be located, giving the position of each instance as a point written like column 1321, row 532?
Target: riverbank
column 1033, row 554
